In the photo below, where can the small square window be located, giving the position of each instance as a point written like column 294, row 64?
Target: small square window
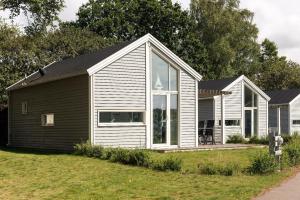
column 47, row 119
column 24, row 108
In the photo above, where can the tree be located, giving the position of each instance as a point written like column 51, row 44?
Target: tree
column 20, row 55
column 229, row 37
column 276, row 72
column 40, row 13
column 131, row 19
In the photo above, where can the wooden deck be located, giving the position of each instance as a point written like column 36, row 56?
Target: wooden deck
column 212, row 147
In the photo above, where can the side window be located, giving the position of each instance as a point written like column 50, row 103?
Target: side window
column 24, row 108
column 296, row 122
column 120, row 117
column 47, row 119
column 232, row 122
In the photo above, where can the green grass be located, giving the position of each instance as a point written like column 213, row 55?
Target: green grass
column 31, row 175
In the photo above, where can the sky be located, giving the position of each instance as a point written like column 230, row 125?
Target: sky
column 276, row 20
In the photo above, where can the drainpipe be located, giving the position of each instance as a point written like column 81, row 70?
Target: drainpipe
column 222, row 119
column 278, row 121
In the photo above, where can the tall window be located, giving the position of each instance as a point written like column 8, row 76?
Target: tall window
column 164, row 76
column 251, row 112
column 165, row 102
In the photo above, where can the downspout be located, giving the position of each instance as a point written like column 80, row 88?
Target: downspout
column 222, row 119
column 278, row 121
column 8, row 120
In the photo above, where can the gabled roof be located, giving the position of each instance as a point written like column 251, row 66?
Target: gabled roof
column 281, row 97
column 69, row 67
column 93, row 62
column 219, row 84
column 225, row 85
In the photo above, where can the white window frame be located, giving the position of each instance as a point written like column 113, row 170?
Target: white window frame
column 24, row 107
column 233, row 120
column 168, row 94
column 44, row 123
column 102, row 124
column 295, row 120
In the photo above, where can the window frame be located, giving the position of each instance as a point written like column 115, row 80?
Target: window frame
column 24, row 104
column 294, row 124
column 101, row 124
column 239, row 120
column 46, row 124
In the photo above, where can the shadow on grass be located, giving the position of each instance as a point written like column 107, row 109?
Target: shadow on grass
column 35, row 151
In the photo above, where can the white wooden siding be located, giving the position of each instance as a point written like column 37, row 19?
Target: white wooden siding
column 233, row 109
column 187, row 110
column 295, row 115
column 121, row 86
column 262, row 116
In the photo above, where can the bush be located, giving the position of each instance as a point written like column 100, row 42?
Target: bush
column 257, row 140
column 213, row 169
column 236, row 139
column 84, row 148
column 263, row 163
column 134, row 157
column 169, row 164
column 292, row 151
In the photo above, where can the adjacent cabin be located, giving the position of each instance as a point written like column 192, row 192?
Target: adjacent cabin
column 284, row 111
column 135, row 94
column 232, row 106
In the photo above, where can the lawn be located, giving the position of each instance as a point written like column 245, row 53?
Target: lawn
column 32, row 175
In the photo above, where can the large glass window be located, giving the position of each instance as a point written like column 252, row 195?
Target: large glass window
column 164, row 76
column 120, row 117
column 159, row 119
column 250, row 98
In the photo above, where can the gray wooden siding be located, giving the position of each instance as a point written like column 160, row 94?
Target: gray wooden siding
column 187, row 110
column 206, row 109
column 233, row 109
column 295, row 115
column 67, row 99
column 262, row 116
column 217, row 130
column 121, row 86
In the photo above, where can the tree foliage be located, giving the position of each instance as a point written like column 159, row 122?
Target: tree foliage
column 20, row 55
column 131, row 19
column 40, row 13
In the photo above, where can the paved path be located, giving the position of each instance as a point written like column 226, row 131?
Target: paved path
column 289, row 190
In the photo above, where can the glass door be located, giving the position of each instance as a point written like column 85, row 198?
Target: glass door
column 159, row 119
column 248, row 123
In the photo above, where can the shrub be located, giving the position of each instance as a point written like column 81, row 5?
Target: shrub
column 235, row 139
column 259, row 140
column 84, row 148
column 263, row 163
column 214, row 169
column 169, row 164
column 292, row 150
column 133, row 157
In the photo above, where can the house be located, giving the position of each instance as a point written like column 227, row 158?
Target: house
column 133, row 94
column 284, row 111
column 232, row 106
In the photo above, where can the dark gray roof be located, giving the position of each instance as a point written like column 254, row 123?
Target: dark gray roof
column 219, row 84
column 283, row 96
column 70, row 67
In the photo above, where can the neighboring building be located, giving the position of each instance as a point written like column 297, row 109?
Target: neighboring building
column 134, row 94
column 284, row 111
column 233, row 106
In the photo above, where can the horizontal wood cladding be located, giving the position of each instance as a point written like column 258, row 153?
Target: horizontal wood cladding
column 67, row 99
column 121, row 86
column 262, row 116
column 187, row 110
column 295, row 115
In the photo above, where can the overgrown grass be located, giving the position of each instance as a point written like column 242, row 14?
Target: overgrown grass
column 30, row 175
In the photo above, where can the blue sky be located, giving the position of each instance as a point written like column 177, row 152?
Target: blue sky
column 276, row 20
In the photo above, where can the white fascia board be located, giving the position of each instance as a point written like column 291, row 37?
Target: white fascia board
column 147, row 38
column 23, row 79
column 295, row 99
column 250, row 83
